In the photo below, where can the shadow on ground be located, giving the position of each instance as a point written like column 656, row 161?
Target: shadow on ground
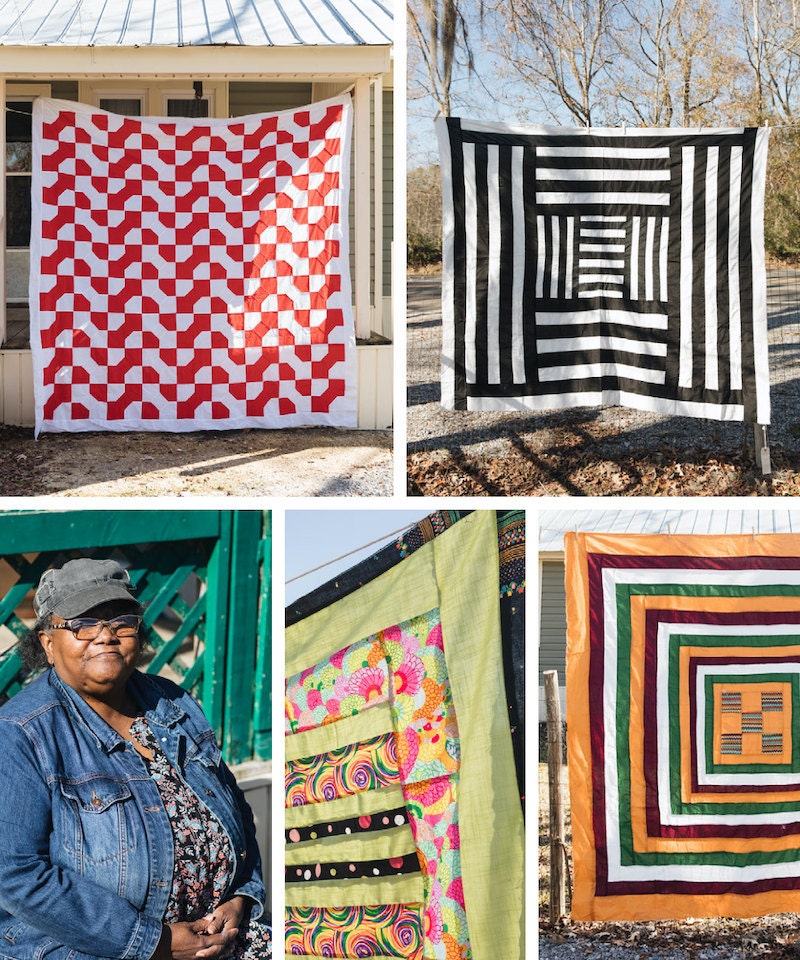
column 594, row 452
column 296, row 462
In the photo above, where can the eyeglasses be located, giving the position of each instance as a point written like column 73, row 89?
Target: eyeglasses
column 87, row 628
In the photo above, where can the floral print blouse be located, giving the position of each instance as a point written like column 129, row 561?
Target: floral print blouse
column 204, row 861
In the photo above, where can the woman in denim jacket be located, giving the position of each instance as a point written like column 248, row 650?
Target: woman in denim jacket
column 122, row 832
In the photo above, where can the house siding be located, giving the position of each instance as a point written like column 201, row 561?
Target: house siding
column 553, row 623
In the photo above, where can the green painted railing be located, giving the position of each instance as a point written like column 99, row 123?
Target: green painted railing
column 205, row 578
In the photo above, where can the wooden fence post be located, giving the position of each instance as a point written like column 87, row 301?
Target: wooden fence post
column 554, row 767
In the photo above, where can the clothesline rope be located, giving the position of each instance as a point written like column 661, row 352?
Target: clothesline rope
column 350, row 553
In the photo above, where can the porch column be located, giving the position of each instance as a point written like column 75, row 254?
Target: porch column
column 377, row 91
column 2, row 210
column 361, row 187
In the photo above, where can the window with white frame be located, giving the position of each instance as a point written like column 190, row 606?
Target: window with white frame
column 18, row 171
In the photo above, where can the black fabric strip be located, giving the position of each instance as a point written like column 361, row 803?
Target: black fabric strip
column 482, row 268
column 366, row 823
column 506, row 265
column 459, row 259
column 746, row 279
column 352, row 869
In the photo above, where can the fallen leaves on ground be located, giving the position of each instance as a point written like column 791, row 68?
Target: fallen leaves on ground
column 775, row 937
column 582, row 470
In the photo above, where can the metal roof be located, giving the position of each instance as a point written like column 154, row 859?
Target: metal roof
column 553, row 524
column 164, row 23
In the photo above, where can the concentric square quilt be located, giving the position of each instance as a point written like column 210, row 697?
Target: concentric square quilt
column 683, row 691
column 403, row 824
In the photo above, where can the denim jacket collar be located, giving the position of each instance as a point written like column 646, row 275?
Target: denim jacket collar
column 158, row 709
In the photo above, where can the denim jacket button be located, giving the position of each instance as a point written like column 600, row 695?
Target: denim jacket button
column 96, row 801
column 209, row 793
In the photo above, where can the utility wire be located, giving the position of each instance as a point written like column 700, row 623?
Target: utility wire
column 348, row 554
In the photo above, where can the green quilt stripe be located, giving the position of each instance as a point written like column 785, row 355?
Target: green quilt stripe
column 371, row 722
column 405, row 888
column 395, row 842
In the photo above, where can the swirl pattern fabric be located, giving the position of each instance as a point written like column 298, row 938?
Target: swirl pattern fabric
column 599, row 266
column 191, row 274
column 685, row 768
column 393, row 930
column 330, row 776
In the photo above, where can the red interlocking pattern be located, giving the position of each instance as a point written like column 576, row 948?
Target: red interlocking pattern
column 191, row 274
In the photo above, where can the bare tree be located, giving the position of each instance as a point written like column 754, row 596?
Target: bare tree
column 439, row 41
column 563, row 48
column 770, row 31
column 676, row 64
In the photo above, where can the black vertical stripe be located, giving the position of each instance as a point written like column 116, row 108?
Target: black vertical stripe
column 482, row 266
column 723, row 298
column 459, row 261
column 642, row 256
column 531, row 256
column 628, row 274
column 506, row 263
column 562, row 258
column 673, row 305
column 548, row 257
column 746, row 278
column 698, row 274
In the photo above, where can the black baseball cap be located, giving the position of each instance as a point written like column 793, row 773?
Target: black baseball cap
column 80, row 585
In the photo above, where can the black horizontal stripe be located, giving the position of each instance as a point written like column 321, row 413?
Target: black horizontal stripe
column 351, row 869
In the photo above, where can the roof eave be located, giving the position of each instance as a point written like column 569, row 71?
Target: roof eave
column 228, row 62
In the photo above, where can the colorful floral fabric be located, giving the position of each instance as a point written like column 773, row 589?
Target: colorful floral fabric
column 342, row 772
column 353, row 679
column 433, row 810
column 391, row 930
column 411, row 656
column 204, row 860
column 421, row 702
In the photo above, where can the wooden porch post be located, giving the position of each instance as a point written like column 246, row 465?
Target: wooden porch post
column 361, row 187
column 377, row 90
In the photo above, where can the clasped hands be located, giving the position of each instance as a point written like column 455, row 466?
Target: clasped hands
column 209, row 938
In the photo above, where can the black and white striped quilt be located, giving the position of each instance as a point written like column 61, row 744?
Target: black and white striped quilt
column 604, row 266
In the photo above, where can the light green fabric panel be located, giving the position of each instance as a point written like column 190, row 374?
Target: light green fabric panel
column 393, row 597
column 490, row 816
column 368, row 801
column 405, row 888
column 371, row 722
column 380, row 845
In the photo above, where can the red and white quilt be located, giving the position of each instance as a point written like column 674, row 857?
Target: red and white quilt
column 191, row 274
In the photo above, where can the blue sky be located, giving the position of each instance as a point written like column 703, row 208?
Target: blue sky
column 314, row 536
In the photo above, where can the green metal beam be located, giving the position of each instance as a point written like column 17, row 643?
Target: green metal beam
column 33, row 531
column 218, row 591
column 240, row 677
column 262, row 717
